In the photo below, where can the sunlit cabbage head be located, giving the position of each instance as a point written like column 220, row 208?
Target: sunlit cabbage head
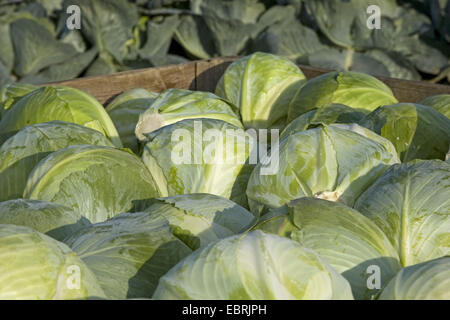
column 99, row 182
column 347, row 240
column 23, row 151
column 58, row 103
column 440, row 102
column 124, row 111
column 263, row 86
column 354, row 89
column 416, row 131
column 174, row 105
column 200, row 156
column 327, row 162
column 429, row 280
column 253, row 266
column 410, row 203
column 36, row 267
column 55, row 220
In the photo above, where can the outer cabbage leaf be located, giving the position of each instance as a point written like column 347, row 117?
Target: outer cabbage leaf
column 264, row 87
column 416, row 131
column 428, row 280
column 45, row 274
column 23, row 151
column 346, row 239
column 107, row 24
column 129, row 253
column 329, row 114
column 35, row 47
column 174, row 105
column 58, row 103
column 440, row 102
column 342, row 21
column 69, row 69
column 246, row 11
column 283, row 34
column 354, row 89
column 411, row 204
column 159, row 37
column 198, row 219
column 50, row 218
column 253, row 266
column 124, row 111
column 99, row 182
column 188, row 35
column 199, row 156
column 218, row 27
column 326, row 162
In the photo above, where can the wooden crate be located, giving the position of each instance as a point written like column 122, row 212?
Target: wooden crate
column 204, row 74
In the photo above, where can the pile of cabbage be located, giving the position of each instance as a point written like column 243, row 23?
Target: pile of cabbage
column 94, row 206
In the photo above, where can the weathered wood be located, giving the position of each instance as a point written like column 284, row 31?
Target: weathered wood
column 204, row 75
column 154, row 79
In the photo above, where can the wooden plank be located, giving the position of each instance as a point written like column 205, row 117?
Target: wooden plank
column 104, row 88
column 204, row 75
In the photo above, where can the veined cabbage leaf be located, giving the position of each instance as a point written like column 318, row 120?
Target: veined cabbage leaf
column 99, row 182
column 263, row 86
column 58, row 103
column 327, row 162
column 410, row 203
column 50, row 218
column 346, row 239
column 23, row 151
column 36, row 267
column 354, row 89
column 174, row 105
column 253, row 266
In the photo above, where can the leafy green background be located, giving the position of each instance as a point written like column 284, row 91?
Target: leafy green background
column 118, row 35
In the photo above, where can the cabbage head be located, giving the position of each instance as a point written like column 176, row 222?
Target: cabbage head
column 327, row 162
column 253, row 266
column 58, row 103
column 428, row 280
column 23, row 151
column 347, row 240
column 193, row 156
column 174, row 105
column 124, row 111
column 200, row 218
column 440, row 102
column 263, row 86
column 99, row 182
column 129, row 253
column 416, row 131
column 354, row 89
column 50, row 218
column 36, row 267
column 410, row 203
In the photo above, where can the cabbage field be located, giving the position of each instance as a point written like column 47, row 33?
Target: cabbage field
column 38, row 44
column 329, row 189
